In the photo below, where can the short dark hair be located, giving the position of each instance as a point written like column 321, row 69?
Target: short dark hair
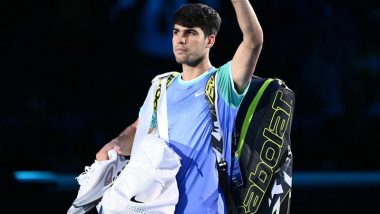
column 198, row 15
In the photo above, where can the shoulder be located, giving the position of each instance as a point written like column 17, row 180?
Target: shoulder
column 223, row 75
column 170, row 74
column 225, row 69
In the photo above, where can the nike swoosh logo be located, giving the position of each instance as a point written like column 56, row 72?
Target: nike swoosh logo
column 133, row 199
column 199, row 93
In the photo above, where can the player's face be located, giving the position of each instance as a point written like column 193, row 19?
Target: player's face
column 190, row 45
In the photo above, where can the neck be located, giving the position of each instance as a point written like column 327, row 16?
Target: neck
column 192, row 72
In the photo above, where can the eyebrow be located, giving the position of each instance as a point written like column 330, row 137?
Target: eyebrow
column 191, row 30
column 188, row 30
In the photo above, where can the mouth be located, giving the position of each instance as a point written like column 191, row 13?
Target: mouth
column 180, row 50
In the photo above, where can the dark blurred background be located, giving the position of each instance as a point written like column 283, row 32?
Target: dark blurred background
column 74, row 73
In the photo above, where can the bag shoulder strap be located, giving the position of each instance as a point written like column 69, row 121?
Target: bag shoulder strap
column 217, row 140
column 170, row 77
column 251, row 111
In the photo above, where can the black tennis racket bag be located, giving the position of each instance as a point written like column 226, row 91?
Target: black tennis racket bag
column 263, row 151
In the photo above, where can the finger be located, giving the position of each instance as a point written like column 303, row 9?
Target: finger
column 103, row 152
column 118, row 150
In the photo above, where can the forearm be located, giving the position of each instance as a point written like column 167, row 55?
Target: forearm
column 130, row 130
column 248, row 23
column 122, row 143
column 126, row 137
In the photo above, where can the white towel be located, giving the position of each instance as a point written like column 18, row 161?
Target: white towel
column 148, row 178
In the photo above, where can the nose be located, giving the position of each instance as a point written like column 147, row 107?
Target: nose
column 181, row 39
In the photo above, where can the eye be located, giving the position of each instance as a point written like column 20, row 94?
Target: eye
column 175, row 32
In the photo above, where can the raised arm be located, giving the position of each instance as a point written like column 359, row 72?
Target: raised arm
column 246, row 56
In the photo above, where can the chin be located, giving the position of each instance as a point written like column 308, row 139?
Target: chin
column 191, row 63
column 179, row 60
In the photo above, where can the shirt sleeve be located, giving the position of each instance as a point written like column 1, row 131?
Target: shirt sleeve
column 226, row 86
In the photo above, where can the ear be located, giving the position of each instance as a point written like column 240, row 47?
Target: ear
column 210, row 41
